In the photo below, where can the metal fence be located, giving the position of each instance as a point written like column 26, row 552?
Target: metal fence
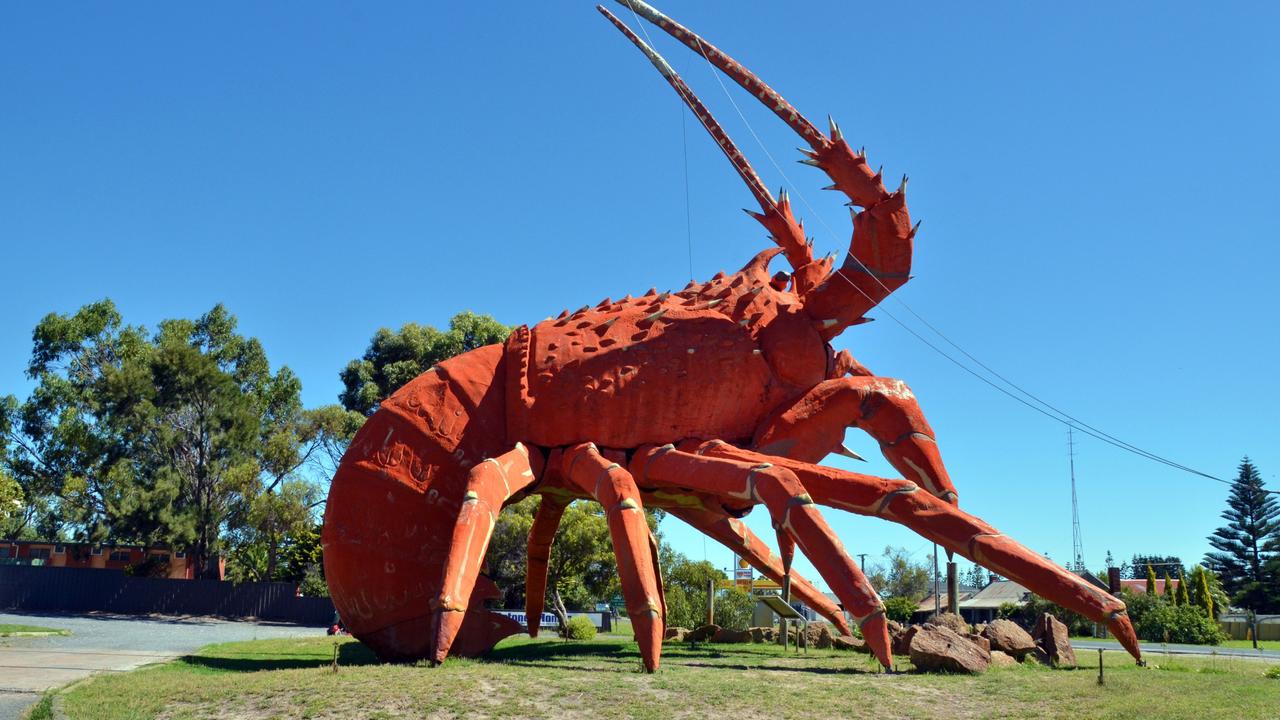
column 1237, row 627
column 24, row 587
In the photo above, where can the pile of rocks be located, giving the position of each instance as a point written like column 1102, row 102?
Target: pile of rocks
column 946, row 644
column 949, row 645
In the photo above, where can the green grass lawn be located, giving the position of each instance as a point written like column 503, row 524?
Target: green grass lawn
column 10, row 630
column 551, row 678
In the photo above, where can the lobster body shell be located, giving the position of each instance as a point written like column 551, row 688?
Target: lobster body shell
column 655, row 369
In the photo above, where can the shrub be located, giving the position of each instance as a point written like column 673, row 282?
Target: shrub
column 1165, row 622
column 899, row 609
column 1028, row 614
column 1273, row 672
column 579, row 627
column 734, row 608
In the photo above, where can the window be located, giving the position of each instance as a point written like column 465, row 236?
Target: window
column 40, row 553
column 120, row 556
column 59, row 549
column 160, row 557
column 4, row 553
column 180, row 555
column 96, row 551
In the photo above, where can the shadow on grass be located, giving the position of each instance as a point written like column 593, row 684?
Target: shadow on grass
column 542, row 651
column 561, row 656
column 349, row 654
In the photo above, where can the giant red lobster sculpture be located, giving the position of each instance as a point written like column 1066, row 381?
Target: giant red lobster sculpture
column 704, row 402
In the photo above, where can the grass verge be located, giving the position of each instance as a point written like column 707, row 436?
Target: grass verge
column 557, row 679
column 29, row 630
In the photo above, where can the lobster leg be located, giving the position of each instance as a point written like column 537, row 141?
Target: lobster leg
column 489, row 485
column 884, row 408
column 541, row 535
column 954, row 529
column 633, row 543
column 735, row 535
column 792, row 510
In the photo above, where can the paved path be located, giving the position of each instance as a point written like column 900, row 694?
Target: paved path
column 1154, row 649
column 108, row 643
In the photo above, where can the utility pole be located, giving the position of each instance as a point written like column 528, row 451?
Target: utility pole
column 937, row 602
column 1077, row 547
column 862, row 562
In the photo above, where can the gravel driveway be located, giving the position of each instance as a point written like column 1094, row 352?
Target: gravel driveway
column 108, row 643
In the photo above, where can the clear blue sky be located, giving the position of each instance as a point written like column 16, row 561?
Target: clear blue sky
column 1098, row 185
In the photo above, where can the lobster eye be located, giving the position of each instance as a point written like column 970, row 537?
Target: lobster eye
column 780, row 280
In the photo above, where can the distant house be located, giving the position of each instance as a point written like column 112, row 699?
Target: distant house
column 977, row 606
column 1140, row 586
column 107, row 557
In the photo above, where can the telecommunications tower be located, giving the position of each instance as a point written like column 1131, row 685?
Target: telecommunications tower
column 1077, row 548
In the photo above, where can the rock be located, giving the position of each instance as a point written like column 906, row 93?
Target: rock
column 849, row 642
column 1008, row 637
column 936, row 648
column 818, row 635
column 979, row 627
column 1000, row 659
column 902, row 641
column 676, row 634
column 952, row 621
column 978, row 640
column 727, row 635
column 760, row 634
column 702, row 633
column 1053, row 638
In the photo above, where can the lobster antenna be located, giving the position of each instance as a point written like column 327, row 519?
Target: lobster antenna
column 744, row 77
column 731, row 151
column 789, row 236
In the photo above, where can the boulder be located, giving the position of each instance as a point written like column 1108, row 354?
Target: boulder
column 676, row 634
column 1000, row 659
column 1052, row 637
column 935, row 648
column 702, row 633
column 1008, row 637
column 729, row 635
column 849, row 642
column 952, row 621
column 818, row 635
column 761, row 634
column 978, row 640
column 902, row 641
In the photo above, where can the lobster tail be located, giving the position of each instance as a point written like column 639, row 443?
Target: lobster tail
column 394, row 503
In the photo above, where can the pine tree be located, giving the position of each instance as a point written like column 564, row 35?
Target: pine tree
column 1203, row 597
column 1151, row 580
column 1249, row 543
column 1181, row 594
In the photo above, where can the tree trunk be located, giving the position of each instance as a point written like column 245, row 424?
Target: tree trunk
column 557, row 607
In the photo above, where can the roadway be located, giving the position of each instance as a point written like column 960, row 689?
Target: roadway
column 108, row 643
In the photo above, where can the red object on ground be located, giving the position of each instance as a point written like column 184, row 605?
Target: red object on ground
column 706, row 402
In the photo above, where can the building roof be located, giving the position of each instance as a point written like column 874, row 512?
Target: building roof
column 926, row 605
column 1140, row 586
column 996, row 594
